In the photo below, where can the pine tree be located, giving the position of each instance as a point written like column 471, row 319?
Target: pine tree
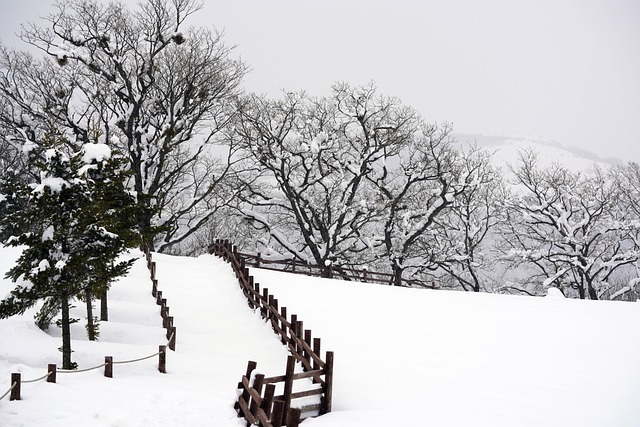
column 80, row 219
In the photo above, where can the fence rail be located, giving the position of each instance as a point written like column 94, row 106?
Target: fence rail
column 262, row 407
column 16, row 382
column 330, row 271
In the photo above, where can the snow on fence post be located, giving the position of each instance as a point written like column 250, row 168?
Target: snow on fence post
column 16, row 380
column 162, row 359
column 108, row 366
column 52, row 369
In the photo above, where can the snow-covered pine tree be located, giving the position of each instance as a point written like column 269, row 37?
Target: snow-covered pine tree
column 80, row 218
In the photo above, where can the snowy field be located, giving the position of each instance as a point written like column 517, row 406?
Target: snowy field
column 403, row 357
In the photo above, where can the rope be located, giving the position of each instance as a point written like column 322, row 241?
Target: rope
column 137, row 360
column 9, row 391
column 77, row 371
column 170, row 338
column 38, row 379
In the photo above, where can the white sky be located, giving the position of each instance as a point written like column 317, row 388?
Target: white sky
column 563, row 70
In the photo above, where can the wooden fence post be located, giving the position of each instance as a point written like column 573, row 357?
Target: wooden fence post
column 164, row 313
column 162, row 359
column 16, row 378
column 316, row 350
column 154, row 288
column 307, row 339
column 292, row 332
column 330, row 271
column 328, row 384
column 172, row 334
column 283, row 327
column 245, row 393
column 300, row 336
column 277, row 413
column 258, row 260
column 267, row 400
column 293, row 417
column 52, row 369
column 288, row 386
column 265, row 303
column 257, row 386
column 108, row 367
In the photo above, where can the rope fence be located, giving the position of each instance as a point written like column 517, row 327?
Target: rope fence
column 167, row 322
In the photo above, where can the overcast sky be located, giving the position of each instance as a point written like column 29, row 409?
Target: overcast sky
column 563, row 70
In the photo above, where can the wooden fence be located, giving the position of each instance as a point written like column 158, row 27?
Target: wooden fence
column 330, row 271
column 167, row 321
column 263, row 407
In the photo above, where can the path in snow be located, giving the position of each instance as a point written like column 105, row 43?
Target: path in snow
column 216, row 335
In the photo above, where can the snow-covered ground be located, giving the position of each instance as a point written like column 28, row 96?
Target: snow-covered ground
column 403, row 357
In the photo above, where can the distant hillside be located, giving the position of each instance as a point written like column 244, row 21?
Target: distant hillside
column 506, row 150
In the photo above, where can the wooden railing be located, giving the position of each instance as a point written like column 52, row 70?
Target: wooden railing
column 167, row 321
column 262, row 407
column 330, row 271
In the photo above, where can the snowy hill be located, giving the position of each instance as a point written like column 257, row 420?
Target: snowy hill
column 506, row 149
column 404, row 357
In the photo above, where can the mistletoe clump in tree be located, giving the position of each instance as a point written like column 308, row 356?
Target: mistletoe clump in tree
column 75, row 223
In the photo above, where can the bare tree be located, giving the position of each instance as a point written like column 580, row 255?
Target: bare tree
column 569, row 228
column 461, row 246
column 418, row 186
column 315, row 155
column 139, row 80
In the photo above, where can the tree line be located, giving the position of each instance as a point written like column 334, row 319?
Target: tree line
column 354, row 178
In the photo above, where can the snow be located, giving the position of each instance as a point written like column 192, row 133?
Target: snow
column 48, row 233
column 54, row 184
column 404, row 357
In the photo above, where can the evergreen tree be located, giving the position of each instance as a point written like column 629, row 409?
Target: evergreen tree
column 80, row 219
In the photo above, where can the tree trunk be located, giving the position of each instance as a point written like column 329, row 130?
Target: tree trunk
column 104, row 308
column 592, row 291
column 397, row 274
column 91, row 327
column 66, row 334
